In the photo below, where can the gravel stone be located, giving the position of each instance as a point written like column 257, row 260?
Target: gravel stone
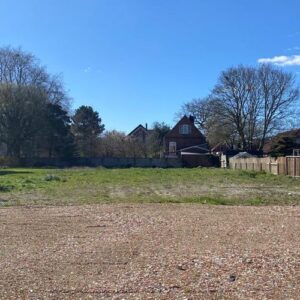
column 150, row 251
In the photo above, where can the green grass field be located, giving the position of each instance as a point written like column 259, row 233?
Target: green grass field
column 99, row 185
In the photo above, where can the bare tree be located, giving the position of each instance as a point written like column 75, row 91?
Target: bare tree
column 246, row 105
column 117, row 144
column 210, row 119
column 20, row 68
column 25, row 89
column 256, row 101
column 237, row 94
column 113, row 144
column 279, row 94
column 21, row 111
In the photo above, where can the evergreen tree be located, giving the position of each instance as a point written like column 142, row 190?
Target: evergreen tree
column 282, row 146
column 87, row 127
column 59, row 139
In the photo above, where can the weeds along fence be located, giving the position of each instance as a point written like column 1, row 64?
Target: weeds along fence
column 289, row 165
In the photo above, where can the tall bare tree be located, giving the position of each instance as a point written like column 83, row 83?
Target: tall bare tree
column 279, row 95
column 210, row 120
column 25, row 89
column 246, row 105
column 237, row 94
column 21, row 111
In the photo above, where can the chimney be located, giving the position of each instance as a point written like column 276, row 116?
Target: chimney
column 146, row 126
column 192, row 118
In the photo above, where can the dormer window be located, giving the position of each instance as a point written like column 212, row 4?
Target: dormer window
column 185, row 129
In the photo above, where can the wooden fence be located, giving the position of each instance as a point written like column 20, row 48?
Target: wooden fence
column 292, row 166
column 289, row 165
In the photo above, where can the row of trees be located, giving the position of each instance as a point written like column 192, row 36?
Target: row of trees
column 118, row 144
column 36, row 118
column 246, row 106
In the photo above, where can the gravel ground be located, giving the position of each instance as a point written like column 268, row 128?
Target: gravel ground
column 150, row 251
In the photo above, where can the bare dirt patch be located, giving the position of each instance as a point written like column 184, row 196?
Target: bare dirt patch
column 150, row 251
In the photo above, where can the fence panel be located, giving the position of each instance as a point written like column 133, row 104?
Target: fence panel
column 289, row 165
column 267, row 164
column 293, row 166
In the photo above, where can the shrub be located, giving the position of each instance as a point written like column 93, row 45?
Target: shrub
column 6, row 188
column 249, row 174
column 51, row 177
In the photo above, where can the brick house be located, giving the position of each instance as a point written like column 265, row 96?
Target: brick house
column 184, row 143
column 185, row 139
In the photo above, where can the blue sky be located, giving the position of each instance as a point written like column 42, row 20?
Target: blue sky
column 137, row 61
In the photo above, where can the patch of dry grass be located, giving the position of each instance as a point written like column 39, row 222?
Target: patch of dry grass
column 87, row 186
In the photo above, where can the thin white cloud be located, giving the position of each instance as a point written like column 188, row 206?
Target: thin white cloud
column 87, row 70
column 283, row 60
column 293, row 48
column 91, row 70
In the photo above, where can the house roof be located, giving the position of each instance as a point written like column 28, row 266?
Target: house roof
column 140, row 126
column 198, row 149
column 220, row 147
column 292, row 132
column 243, row 155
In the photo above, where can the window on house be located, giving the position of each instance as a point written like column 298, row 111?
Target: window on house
column 172, row 147
column 185, row 129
